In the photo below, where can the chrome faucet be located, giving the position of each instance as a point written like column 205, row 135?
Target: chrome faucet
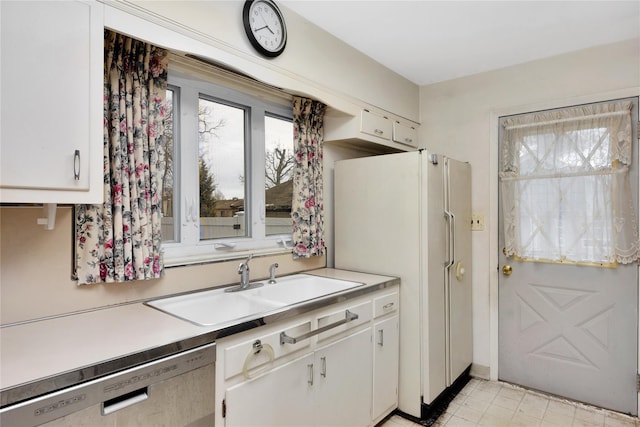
column 243, row 271
column 272, row 273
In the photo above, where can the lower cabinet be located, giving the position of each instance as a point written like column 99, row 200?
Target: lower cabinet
column 385, row 367
column 328, row 387
column 335, row 373
column 343, row 395
column 279, row 398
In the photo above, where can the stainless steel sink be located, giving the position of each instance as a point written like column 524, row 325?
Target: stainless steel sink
column 217, row 307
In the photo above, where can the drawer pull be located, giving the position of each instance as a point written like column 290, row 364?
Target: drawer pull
column 310, row 369
column 381, row 337
column 378, row 131
column 323, row 367
column 387, row 306
column 408, row 140
column 286, row 339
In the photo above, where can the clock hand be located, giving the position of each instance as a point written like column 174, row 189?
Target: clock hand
column 262, row 28
column 266, row 25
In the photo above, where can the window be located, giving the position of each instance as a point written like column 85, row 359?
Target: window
column 278, row 174
column 229, row 159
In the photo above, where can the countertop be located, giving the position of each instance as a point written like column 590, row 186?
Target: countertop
column 42, row 356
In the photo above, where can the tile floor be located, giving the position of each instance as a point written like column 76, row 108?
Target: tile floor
column 496, row 404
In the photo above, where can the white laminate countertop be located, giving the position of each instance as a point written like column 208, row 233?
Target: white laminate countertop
column 33, row 351
column 43, row 349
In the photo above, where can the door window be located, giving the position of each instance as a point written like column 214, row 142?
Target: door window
column 565, row 185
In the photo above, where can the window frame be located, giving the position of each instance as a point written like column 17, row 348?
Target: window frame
column 190, row 85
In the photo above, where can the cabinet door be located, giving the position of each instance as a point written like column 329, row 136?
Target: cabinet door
column 385, row 366
column 51, row 99
column 405, row 134
column 375, row 125
column 343, row 381
column 281, row 397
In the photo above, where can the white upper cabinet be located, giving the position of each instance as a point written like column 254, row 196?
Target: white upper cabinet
column 376, row 130
column 405, row 134
column 51, row 101
column 375, row 125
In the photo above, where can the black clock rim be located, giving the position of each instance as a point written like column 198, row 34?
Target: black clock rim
column 254, row 42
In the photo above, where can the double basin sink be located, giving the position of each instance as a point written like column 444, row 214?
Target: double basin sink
column 217, row 307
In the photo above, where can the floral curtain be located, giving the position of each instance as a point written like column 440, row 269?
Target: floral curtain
column 565, row 186
column 119, row 240
column 307, row 208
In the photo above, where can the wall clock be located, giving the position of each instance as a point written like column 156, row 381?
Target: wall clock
column 265, row 27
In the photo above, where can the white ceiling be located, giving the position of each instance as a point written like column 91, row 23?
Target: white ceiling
column 431, row 41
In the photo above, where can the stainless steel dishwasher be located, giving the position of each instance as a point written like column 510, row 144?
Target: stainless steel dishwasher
column 176, row 390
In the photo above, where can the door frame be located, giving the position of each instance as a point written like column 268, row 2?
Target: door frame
column 493, row 202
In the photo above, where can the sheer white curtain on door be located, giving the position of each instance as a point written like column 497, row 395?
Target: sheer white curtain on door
column 566, row 194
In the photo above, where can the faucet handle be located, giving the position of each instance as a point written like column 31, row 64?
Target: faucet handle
column 244, row 265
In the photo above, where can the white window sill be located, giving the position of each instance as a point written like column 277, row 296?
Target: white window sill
column 204, row 253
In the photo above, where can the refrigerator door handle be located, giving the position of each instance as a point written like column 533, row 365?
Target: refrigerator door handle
column 451, row 221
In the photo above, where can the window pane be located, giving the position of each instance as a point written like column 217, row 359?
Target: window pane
column 221, row 130
column 278, row 175
column 167, row 170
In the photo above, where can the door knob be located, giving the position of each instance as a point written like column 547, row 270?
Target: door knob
column 507, row 270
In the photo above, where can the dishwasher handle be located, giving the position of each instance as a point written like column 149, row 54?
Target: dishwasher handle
column 112, row 405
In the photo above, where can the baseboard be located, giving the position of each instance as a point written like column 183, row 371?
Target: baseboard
column 430, row 413
column 480, row 371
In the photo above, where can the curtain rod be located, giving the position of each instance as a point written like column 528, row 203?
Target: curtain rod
column 568, row 119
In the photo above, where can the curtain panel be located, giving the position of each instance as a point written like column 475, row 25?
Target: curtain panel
column 307, row 207
column 120, row 240
column 566, row 194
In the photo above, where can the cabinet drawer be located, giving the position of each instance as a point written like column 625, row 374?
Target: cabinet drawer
column 385, row 304
column 236, row 356
column 403, row 134
column 363, row 311
column 375, row 125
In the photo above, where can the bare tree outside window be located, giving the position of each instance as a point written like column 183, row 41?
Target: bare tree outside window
column 279, row 163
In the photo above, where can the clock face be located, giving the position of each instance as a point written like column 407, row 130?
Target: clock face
column 265, row 27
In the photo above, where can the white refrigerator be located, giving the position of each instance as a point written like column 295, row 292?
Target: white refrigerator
column 409, row 215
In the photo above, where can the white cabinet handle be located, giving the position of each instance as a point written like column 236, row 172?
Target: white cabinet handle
column 387, row 306
column 378, row 131
column 323, row 368
column 310, row 369
column 76, row 165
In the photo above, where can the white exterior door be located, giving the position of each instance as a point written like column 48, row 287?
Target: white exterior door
column 570, row 330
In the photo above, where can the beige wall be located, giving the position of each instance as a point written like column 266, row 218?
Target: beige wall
column 35, row 271
column 314, row 62
column 459, row 119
